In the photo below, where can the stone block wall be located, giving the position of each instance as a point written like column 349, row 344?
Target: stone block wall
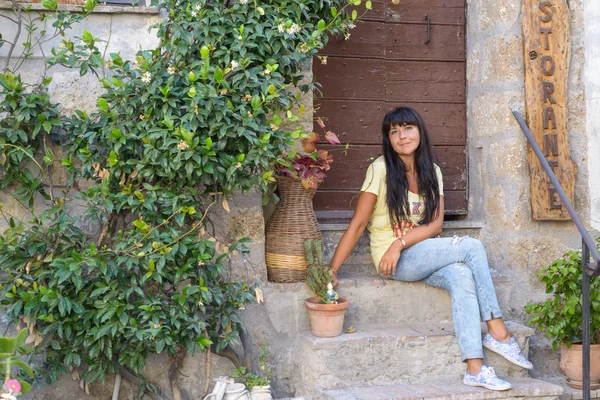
column 591, row 16
column 499, row 193
column 497, row 149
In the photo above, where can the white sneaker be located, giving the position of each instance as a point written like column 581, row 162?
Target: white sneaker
column 486, row 378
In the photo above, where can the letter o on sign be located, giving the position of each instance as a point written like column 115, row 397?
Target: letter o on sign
column 548, row 65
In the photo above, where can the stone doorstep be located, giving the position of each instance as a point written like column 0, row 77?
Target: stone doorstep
column 448, row 389
column 405, row 333
column 568, row 392
column 401, row 354
column 373, row 301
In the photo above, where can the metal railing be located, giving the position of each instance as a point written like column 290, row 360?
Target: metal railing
column 589, row 268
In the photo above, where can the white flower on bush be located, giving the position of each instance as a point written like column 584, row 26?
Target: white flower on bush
column 198, row 7
column 266, row 72
column 171, row 70
column 183, row 145
column 194, row 13
column 346, row 36
column 243, row 1
column 146, row 78
column 281, row 28
column 234, row 64
column 292, row 30
column 240, row 37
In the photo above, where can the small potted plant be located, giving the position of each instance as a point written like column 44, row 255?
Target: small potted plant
column 560, row 316
column 326, row 309
column 259, row 385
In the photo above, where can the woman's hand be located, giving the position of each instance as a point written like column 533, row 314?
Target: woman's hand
column 389, row 261
column 334, row 278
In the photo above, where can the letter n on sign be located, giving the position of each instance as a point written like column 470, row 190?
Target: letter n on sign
column 547, row 51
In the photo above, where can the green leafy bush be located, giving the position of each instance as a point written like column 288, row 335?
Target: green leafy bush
column 561, row 315
column 206, row 114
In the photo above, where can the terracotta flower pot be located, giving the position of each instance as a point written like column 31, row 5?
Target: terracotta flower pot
column 571, row 361
column 326, row 320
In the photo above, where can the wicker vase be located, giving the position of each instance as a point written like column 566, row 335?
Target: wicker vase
column 292, row 223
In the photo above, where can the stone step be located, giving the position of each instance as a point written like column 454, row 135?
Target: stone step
column 406, row 353
column 374, row 301
column 448, row 389
column 568, row 392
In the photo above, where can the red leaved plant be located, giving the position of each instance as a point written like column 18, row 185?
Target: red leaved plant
column 310, row 167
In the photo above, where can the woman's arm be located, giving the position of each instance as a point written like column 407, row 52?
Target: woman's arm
column 362, row 215
column 388, row 263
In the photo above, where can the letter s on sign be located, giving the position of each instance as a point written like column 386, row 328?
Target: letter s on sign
column 545, row 8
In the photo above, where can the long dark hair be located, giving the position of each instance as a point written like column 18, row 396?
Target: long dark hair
column 397, row 184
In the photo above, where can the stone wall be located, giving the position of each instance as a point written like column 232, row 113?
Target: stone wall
column 591, row 12
column 499, row 194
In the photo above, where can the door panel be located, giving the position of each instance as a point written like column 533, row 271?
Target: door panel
column 374, row 39
column 350, row 166
column 346, row 78
column 410, row 81
column 359, row 122
column 407, row 42
column 447, row 12
column 339, row 204
column 367, row 40
column 405, row 81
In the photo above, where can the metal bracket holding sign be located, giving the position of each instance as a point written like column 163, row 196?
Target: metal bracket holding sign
column 547, row 53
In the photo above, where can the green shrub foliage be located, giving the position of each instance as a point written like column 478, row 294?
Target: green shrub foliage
column 561, row 315
column 207, row 113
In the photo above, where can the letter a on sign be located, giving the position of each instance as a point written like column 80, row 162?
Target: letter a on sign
column 546, row 37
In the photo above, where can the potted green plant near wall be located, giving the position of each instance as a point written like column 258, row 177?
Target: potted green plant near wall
column 326, row 310
column 560, row 316
column 258, row 384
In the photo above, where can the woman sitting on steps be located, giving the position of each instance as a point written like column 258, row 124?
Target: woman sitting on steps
column 405, row 186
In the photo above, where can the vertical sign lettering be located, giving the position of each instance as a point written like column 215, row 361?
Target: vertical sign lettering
column 547, row 51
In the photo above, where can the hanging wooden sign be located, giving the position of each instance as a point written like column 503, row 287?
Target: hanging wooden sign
column 546, row 43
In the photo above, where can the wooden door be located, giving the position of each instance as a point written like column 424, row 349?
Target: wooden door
column 387, row 63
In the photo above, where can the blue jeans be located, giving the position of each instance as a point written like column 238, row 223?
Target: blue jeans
column 460, row 266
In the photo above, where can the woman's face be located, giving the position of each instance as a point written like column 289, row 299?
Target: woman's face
column 404, row 139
